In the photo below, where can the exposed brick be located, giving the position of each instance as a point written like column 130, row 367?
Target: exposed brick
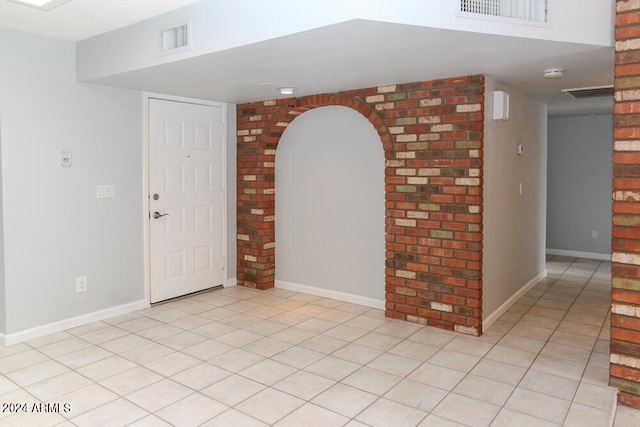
column 625, row 269
column 625, row 310
column 627, row 95
column 625, row 335
column 622, row 283
column 387, row 89
column 623, row 360
column 627, row 6
column 629, row 399
column 624, row 258
column 627, row 145
column 627, row 32
column 626, row 196
column 626, row 296
column 433, row 193
column 627, row 57
column 626, row 220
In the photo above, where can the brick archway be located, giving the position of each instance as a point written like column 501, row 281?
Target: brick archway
column 294, row 107
column 432, row 136
column 256, row 212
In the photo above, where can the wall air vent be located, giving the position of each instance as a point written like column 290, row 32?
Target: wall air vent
column 530, row 10
column 589, row 92
column 175, row 39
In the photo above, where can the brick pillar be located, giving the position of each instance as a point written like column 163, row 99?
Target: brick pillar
column 625, row 257
column 432, row 134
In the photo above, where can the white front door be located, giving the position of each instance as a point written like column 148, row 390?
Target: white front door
column 185, row 198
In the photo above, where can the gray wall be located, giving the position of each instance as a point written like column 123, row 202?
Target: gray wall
column 514, row 221
column 3, row 314
column 330, row 201
column 55, row 229
column 580, row 184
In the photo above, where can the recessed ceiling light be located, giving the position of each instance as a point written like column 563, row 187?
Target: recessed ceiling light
column 287, row 90
column 41, row 4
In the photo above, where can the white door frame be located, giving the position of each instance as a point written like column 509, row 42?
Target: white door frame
column 145, row 183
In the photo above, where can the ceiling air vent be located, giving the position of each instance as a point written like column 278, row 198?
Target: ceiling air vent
column 483, row 7
column 174, row 39
column 589, row 92
column 530, row 10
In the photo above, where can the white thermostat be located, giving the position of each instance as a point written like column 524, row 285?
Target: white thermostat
column 65, row 159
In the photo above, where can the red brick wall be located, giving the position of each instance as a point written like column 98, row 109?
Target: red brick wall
column 625, row 268
column 432, row 135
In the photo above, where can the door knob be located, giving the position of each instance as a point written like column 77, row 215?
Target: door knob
column 157, row 215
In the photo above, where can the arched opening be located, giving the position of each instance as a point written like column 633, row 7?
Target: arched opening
column 432, row 136
column 330, row 212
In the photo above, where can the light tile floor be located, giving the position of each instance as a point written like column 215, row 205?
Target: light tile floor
column 240, row 357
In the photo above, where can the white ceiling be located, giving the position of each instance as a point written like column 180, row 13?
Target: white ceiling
column 81, row 19
column 344, row 56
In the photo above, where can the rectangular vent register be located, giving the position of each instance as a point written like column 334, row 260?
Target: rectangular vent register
column 175, row 39
column 530, row 10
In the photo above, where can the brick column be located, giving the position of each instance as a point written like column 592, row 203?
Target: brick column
column 625, row 257
column 432, row 135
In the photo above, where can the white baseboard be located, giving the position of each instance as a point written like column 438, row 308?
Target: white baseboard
column 578, row 254
column 73, row 322
column 328, row 293
column 614, row 408
column 231, row 282
column 489, row 320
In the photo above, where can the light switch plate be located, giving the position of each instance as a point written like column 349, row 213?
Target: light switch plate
column 106, row 191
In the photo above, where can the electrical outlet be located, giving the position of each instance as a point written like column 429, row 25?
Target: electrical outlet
column 594, row 234
column 81, row 284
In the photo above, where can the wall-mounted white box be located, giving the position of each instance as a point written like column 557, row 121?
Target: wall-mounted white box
column 500, row 105
column 106, row 191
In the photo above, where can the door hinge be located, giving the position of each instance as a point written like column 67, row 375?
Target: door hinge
column 222, row 263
